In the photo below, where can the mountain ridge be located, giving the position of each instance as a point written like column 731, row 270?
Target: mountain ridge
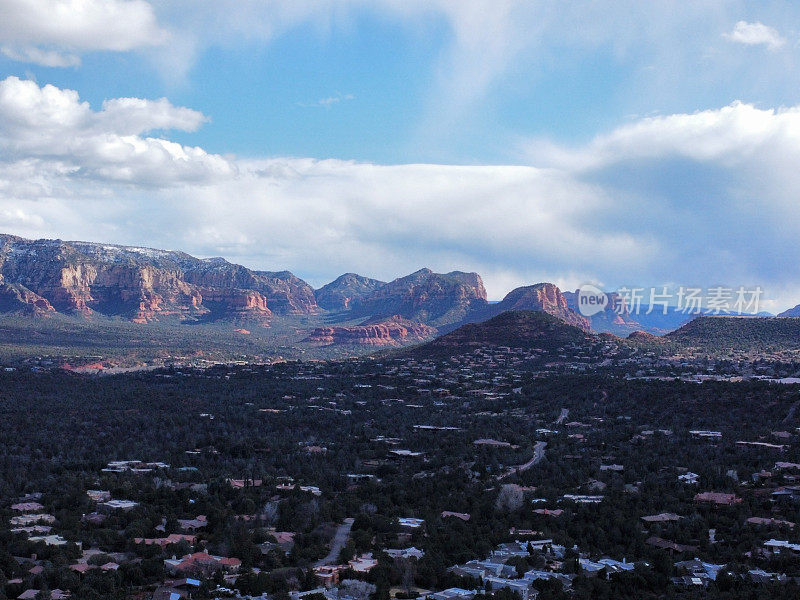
column 92, row 281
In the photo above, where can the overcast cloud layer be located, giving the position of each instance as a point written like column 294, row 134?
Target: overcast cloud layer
column 724, row 182
column 698, row 195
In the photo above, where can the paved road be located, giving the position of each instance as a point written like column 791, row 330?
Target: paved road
column 538, row 455
column 564, row 414
column 792, row 410
column 339, row 540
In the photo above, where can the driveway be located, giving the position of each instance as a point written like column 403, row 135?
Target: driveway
column 339, row 540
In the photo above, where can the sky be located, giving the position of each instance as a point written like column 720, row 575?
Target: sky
column 620, row 143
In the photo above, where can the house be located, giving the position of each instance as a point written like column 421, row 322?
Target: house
column 540, row 545
column 487, row 567
column 25, row 520
column 779, row 447
column 125, row 505
column 590, row 568
column 169, row 593
column 452, row 594
column 582, row 498
column 239, row 484
column 328, row 575
column 55, row 594
column 702, row 433
column 27, row 507
column 690, row 581
column 193, row 524
column 535, row 574
column 661, row 518
column 689, row 478
column 615, row 566
column 410, row 522
column 521, row 586
column 49, row 540
column 556, row 512
column 515, row 531
column 787, row 493
column 779, row 466
column 176, row 590
column 99, row 495
column 360, row 477
column 761, row 576
column 93, row 518
column 782, row 547
column 458, row 515
column 81, row 567
column 201, row 563
column 700, row 569
column 173, row 538
column 717, row 498
column 405, row 553
column 769, row 521
column 658, row 542
column 364, row 563
column 512, row 549
column 468, row 571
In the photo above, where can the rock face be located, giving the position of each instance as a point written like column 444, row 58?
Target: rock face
column 284, row 292
column 342, row 292
column 393, row 332
column 141, row 284
column 19, row 299
column 542, row 297
column 432, row 298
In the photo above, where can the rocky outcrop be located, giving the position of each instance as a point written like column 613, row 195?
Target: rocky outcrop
column 341, row 293
column 393, row 332
column 435, row 299
column 542, row 297
column 144, row 284
column 285, row 293
column 19, row 299
column 239, row 305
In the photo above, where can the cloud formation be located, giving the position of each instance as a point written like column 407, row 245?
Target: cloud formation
column 52, row 126
column 54, row 33
column 328, row 101
column 756, row 34
column 686, row 199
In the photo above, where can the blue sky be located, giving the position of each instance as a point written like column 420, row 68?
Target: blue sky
column 621, row 143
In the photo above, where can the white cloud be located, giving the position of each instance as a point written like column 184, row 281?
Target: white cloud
column 734, row 134
column 704, row 198
column 54, row 32
column 46, row 58
column 51, row 124
column 328, row 101
column 755, row 34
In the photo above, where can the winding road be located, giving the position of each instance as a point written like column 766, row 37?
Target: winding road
column 339, row 540
column 538, row 455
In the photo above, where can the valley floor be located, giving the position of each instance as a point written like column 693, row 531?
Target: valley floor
column 649, row 487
